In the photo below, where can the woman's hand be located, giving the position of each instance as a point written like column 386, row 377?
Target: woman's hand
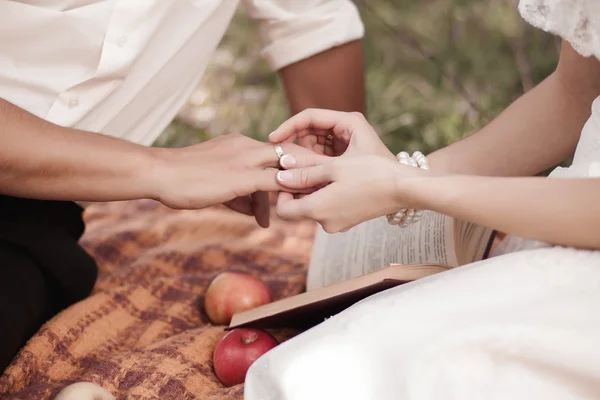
column 352, row 132
column 349, row 129
column 233, row 169
column 357, row 189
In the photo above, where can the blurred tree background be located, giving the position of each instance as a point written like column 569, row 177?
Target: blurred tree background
column 437, row 70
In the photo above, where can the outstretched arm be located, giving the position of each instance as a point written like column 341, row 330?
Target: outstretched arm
column 556, row 211
column 46, row 161
column 359, row 188
column 366, row 182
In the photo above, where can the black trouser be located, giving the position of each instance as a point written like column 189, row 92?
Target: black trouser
column 42, row 267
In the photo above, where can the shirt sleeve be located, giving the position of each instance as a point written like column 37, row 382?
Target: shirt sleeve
column 292, row 30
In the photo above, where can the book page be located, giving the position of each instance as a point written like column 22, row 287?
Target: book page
column 474, row 242
column 376, row 244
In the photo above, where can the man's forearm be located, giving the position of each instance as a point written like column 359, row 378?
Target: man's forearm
column 333, row 79
column 538, row 131
column 45, row 161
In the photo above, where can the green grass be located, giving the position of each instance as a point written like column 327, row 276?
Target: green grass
column 437, row 70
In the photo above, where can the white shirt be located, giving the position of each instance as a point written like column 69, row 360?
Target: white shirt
column 126, row 67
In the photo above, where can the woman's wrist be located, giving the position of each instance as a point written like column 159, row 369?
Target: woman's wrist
column 407, row 216
column 426, row 190
column 408, row 191
column 441, row 193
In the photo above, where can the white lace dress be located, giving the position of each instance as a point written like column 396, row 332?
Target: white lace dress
column 524, row 325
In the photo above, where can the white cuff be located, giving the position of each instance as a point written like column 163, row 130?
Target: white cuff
column 297, row 36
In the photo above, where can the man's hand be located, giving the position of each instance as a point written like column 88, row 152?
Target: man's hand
column 45, row 161
column 233, row 169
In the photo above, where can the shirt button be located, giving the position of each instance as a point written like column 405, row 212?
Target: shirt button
column 121, row 40
column 73, row 103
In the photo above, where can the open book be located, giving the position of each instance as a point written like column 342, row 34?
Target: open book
column 374, row 256
column 373, row 245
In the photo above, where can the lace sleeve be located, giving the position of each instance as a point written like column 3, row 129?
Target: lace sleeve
column 576, row 21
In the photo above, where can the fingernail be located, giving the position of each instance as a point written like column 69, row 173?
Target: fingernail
column 287, row 161
column 271, row 134
column 284, row 176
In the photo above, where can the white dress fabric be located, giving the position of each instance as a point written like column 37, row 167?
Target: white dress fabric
column 576, row 21
column 524, row 325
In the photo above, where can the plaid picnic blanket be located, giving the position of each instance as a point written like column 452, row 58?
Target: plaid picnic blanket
column 143, row 333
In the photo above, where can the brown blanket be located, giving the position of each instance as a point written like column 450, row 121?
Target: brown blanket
column 143, row 333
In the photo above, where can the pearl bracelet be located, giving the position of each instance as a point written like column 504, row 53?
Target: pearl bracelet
column 405, row 217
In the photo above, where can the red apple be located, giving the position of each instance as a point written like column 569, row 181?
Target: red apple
column 230, row 293
column 237, row 351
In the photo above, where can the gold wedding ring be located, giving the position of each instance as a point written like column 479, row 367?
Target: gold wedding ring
column 329, row 140
column 279, row 151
